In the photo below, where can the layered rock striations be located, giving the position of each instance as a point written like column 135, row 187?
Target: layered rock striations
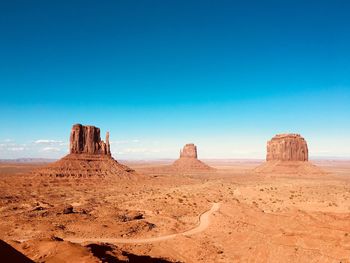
column 287, row 147
column 86, row 139
column 288, row 154
column 89, row 156
column 188, row 160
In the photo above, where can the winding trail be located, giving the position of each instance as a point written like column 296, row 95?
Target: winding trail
column 201, row 226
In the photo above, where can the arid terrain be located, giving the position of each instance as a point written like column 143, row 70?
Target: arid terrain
column 159, row 217
column 175, row 131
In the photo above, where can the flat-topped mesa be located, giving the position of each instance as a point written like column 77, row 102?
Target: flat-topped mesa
column 87, row 140
column 287, row 147
column 189, row 151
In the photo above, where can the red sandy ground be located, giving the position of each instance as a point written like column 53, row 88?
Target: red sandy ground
column 273, row 218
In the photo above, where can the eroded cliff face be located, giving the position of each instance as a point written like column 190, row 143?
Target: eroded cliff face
column 287, row 147
column 87, row 140
column 188, row 161
column 189, row 151
column 89, row 157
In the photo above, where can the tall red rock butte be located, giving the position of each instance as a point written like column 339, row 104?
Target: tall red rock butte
column 287, row 147
column 188, row 160
column 189, row 151
column 88, row 156
column 86, row 139
column 288, row 154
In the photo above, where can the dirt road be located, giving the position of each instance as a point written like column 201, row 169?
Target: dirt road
column 203, row 223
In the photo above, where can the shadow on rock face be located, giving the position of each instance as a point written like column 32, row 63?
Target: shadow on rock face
column 105, row 253
column 9, row 254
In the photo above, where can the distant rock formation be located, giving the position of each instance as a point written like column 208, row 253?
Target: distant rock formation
column 287, row 147
column 287, row 154
column 188, row 161
column 89, row 156
column 189, row 151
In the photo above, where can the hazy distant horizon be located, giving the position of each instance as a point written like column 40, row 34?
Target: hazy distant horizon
column 171, row 160
column 225, row 75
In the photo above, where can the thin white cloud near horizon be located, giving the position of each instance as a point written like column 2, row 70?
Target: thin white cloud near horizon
column 50, row 142
column 150, row 149
column 41, row 148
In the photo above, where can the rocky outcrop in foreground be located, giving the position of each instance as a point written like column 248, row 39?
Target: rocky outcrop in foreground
column 287, row 147
column 89, row 157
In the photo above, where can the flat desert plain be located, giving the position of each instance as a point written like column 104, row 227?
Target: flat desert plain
column 231, row 214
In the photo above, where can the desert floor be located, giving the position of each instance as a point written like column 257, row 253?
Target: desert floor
column 258, row 218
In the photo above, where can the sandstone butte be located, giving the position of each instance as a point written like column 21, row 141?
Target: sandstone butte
column 87, row 139
column 287, row 147
column 88, row 156
column 288, row 154
column 188, row 160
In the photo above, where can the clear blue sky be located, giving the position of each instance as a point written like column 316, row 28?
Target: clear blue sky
column 225, row 75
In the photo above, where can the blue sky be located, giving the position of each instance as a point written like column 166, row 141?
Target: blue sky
column 226, row 75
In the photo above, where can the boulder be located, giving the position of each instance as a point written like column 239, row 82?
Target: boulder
column 68, row 209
